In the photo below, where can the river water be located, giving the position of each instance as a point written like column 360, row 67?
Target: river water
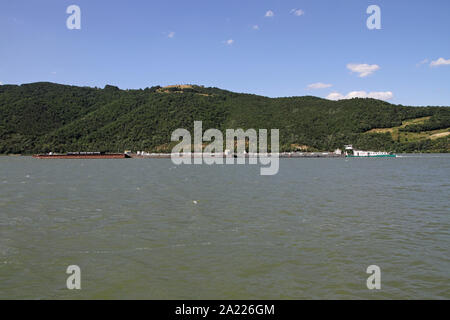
column 147, row 229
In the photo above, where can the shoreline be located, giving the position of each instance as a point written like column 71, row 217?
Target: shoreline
column 285, row 155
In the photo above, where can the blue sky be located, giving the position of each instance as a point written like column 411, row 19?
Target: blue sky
column 138, row 44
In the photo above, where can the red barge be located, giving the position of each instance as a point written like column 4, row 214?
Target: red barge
column 82, row 155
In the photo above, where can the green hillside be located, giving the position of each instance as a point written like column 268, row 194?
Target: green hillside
column 44, row 117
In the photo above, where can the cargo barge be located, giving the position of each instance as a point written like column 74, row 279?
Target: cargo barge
column 144, row 155
column 82, row 155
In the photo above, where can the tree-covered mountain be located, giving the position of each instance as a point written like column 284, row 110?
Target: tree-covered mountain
column 44, row 117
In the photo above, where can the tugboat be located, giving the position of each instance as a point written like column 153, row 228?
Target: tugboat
column 351, row 153
column 371, row 154
column 82, row 155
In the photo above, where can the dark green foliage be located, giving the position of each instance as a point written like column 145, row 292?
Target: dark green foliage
column 376, row 141
column 43, row 117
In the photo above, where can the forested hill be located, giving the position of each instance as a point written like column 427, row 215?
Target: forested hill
column 44, row 117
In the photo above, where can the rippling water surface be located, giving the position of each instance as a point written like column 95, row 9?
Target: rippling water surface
column 145, row 229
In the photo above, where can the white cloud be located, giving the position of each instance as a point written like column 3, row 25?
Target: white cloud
column 255, row 27
column 440, row 62
column 269, row 14
column 1, row 83
column 335, row 96
column 297, row 12
column 361, row 94
column 171, row 34
column 319, row 85
column 388, row 95
column 364, row 69
column 229, row 42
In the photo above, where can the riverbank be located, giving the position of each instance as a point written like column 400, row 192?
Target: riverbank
column 281, row 155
